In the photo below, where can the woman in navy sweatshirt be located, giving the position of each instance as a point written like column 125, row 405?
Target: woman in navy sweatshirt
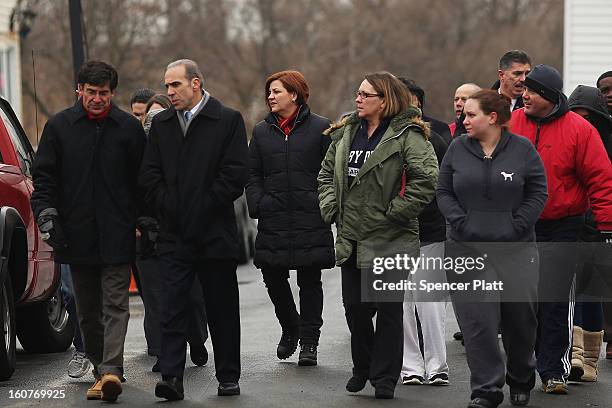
column 492, row 189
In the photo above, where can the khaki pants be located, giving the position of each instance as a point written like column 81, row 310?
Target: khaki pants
column 102, row 299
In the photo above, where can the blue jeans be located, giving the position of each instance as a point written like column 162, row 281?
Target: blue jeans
column 68, row 295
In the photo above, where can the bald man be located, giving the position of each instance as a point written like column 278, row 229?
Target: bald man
column 461, row 94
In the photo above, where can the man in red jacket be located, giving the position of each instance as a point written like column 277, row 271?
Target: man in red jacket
column 579, row 175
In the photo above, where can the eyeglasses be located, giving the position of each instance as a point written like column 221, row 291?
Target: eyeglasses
column 365, row 95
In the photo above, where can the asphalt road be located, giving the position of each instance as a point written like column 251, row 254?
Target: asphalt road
column 266, row 381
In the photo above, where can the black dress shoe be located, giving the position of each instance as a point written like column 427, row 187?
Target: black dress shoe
column 356, row 383
column 481, row 403
column 308, row 355
column 458, row 336
column 383, row 391
column 228, row 388
column 198, row 354
column 170, row 388
column 519, row 397
column 287, row 345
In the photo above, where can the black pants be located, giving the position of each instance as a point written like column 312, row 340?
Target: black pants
column 558, row 263
column 101, row 293
column 309, row 321
column 152, row 291
column 376, row 354
column 220, row 287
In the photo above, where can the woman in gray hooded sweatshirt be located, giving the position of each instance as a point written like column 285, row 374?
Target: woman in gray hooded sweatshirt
column 492, row 189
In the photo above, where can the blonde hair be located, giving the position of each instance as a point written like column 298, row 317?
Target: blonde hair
column 396, row 96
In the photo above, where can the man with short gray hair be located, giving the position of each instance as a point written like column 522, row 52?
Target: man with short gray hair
column 195, row 166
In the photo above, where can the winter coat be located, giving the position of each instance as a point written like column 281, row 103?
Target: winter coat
column 88, row 171
column 578, row 169
column 282, row 193
column 492, row 200
column 432, row 225
column 370, row 211
column 591, row 99
column 192, row 180
column 439, row 127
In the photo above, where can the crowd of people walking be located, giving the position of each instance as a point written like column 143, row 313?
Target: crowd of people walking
column 522, row 176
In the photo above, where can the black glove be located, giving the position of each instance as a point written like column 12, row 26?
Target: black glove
column 50, row 229
column 148, row 227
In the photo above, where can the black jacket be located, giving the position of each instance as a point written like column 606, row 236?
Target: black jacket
column 192, row 181
column 283, row 193
column 440, row 128
column 432, row 225
column 591, row 99
column 492, row 200
column 88, row 170
column 519, row 101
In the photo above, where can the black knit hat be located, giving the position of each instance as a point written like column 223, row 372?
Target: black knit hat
column 546, row 81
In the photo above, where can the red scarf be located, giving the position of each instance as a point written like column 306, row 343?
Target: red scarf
column 286, row 125
column 101, row 116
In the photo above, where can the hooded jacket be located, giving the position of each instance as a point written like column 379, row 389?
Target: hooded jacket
column 497, row 199
column 282, row 193
column 370, row 211
column 577, row 166
column 591, row 99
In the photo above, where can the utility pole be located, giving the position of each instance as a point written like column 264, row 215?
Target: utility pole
column 76, row 34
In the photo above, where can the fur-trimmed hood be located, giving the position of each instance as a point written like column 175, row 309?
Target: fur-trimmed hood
column 411, row 116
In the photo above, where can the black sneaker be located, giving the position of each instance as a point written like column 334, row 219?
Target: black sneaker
column 356, row 383
column 308, row 355
column 439, row 379
column 481, row 403
column 458, row 336
column 413, row 380
column 287, row 345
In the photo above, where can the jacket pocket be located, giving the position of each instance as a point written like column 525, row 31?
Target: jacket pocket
column 488, row 226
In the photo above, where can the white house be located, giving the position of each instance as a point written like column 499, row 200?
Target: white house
column 587, row 45
column 10, row 66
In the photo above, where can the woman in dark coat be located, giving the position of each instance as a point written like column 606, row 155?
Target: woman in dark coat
column 286, row 151
column 492, row 189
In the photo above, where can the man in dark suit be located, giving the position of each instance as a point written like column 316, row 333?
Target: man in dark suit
column 195, row 166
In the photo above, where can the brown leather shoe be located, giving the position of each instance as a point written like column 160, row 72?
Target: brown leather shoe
column 95, row 391
column 111, row 387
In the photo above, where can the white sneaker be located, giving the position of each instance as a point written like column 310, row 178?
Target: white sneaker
column 79, row 365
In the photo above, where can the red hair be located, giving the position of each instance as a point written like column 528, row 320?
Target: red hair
column 293, row 81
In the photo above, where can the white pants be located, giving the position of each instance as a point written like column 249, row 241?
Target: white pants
column 432, row 317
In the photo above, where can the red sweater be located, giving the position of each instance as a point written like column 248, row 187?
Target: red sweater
column 578, row 170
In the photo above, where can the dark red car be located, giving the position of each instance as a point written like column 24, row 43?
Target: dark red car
column 31, row 306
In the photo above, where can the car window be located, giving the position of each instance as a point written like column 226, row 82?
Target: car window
column 25, row 160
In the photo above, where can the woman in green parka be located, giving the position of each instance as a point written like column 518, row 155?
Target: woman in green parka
column 378, row 174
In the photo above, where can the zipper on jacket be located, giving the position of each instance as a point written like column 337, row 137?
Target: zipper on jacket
column 537, row 137
column 288, row 185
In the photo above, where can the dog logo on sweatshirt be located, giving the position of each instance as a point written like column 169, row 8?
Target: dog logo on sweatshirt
column 507, row 176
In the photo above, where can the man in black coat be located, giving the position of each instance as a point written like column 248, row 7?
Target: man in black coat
column 195, row 166
column 85, row 201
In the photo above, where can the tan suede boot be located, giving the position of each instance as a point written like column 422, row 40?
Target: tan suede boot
column 111, row 387
column 95, row 391
column 592, row 347
column 577, row 354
